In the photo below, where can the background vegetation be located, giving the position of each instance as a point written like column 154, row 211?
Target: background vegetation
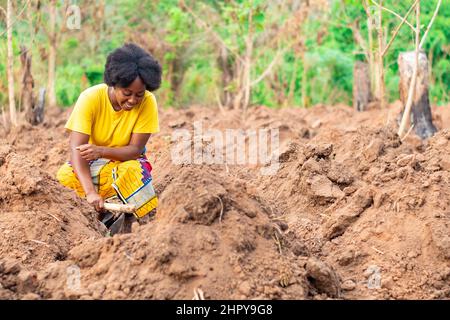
column 290, row 52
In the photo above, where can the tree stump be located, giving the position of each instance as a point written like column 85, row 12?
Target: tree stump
column 34, row 113
column 361, row 86
column 420, row 110
column 27, row 96
column 37, row 112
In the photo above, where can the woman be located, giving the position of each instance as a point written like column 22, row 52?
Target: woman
column 109, row 128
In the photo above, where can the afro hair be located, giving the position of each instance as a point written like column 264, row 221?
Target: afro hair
column 126, row 63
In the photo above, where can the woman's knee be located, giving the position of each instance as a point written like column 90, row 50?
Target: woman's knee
column 134, row 166
column 65, row 175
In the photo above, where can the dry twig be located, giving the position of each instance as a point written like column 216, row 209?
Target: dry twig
column 198, row 294
column 221, row 209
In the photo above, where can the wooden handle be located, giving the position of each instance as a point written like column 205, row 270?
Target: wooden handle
column 126, row 208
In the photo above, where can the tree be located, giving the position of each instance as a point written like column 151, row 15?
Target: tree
column 10, row 63
column 236, row 28
column 361, row 86
column 27, row 97
column 52, row 39
column 378, row 64
column 414, row 96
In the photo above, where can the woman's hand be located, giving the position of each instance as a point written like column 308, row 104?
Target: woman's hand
column 96, row 201
column 90, row 152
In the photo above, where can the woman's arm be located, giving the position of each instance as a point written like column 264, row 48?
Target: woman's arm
column 130, row 152
column 82, row 170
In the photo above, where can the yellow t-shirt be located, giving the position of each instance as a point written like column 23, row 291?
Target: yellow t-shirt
column 94, row 115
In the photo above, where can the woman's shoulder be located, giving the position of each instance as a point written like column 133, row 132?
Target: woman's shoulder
column 149, row 98
column 94, row 91
column 149, row 94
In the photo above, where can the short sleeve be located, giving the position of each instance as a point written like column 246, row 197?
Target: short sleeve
column 81, row 118
column 147, row 121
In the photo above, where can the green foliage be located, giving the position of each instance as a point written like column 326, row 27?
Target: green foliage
column 68, row 84
column 331, row 80
column 189, row 53
column 177, row 25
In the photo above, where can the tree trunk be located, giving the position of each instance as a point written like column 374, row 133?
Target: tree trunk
column 361, row 86
column 99, row 15
column 290, row 97
column 248, row 64
column 247, row 73
column 177, row 74
column 34, row 113
column 38, row 109
column 242, row 98
column 12, row 101
column 381, row 94
column 237, row 98
column 304, row 79
column 421, row 112
column 52, row 56
column 226, row 68
column 27, row 97
column 372, row 71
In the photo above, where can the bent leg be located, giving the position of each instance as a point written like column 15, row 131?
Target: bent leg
column 66, row 176
column 133, row 184
column 101, row 174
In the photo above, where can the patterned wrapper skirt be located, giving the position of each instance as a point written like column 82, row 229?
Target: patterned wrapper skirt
column 130, row 181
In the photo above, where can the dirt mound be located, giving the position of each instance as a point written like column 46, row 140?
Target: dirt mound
column 353, row 212
column 44, row 145
column 404, row 232
column 40, row 220
column 206, row 236
column 17, row 282
column 366, row 203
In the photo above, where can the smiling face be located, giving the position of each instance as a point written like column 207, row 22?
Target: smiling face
column 131, row 96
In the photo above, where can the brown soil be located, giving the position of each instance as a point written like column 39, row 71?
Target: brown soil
column 349, row 202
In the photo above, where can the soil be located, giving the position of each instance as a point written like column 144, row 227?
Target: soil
column 352, row 213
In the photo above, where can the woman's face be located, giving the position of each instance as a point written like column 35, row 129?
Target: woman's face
column 131, row 96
